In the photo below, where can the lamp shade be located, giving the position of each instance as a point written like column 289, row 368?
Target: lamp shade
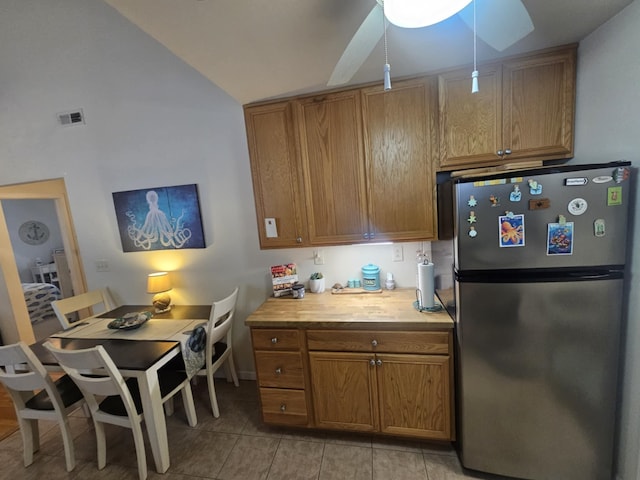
column 158, row 282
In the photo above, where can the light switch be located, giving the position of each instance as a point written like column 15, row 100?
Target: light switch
column 270, row 227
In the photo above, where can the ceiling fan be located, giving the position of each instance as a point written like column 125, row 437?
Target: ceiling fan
column 499, row 23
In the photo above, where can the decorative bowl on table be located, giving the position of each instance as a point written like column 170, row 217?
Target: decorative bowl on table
column 129, row 321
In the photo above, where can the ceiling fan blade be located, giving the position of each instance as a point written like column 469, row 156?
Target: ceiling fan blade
column 360, row 47
column 499, row 23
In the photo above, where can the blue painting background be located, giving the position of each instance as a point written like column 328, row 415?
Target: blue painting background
column 180, row 206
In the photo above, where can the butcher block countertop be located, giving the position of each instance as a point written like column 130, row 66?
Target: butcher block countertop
column 389, row 309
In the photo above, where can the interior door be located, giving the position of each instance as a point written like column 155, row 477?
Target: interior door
column 12, row 304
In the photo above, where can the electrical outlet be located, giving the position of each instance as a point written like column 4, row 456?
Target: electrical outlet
column 396, row 253
column 318, row 257
column 102, row 266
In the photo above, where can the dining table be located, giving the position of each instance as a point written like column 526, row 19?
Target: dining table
column 137, row 352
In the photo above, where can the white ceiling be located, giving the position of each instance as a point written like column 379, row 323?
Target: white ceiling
column 256, row 50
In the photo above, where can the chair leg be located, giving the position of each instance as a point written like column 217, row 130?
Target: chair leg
column 140, row 453
column 30, row 439
column 168, row 407
column 101, row 444
column 232, row 368
column 67, row 440
column 189, row 406
column 212, row 395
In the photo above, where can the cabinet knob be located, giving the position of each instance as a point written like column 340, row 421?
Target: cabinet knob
column 366, row 235
column 507, row 151
column 374, row 343
column 298, row 239
column 279, row 371
column 372, row 362
column 283, row 407
column 378, row 362
column 274, row 340
column 372, row 235
column 500, row 153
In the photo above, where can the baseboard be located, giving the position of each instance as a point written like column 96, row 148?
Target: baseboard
column 247, row 375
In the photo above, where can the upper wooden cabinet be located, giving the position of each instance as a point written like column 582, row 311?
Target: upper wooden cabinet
column 277, row 180
column 400, row 147
column 357, row 165
column 330, row 132
column 524, row 110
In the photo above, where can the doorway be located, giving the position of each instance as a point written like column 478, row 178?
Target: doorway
column 15, row 322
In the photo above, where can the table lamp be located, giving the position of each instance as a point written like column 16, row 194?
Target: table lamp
column 160, row 284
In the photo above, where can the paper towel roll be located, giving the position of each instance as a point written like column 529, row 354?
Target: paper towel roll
column 426, row 285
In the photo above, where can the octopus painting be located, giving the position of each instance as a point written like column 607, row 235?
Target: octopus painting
column 511, row 230
column 159, row 218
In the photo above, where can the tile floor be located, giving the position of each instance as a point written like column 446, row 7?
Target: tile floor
column 236, row 446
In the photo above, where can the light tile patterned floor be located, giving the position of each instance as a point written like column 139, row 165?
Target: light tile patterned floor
column 237, row 446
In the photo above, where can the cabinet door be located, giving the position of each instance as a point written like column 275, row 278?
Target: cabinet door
column 277, row 181
column 414, row 395
column 344, row 391
column 401, row 151
column 470, row 123
column 331, row 151
column 538, row 105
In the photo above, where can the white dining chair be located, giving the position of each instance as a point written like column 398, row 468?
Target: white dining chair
column 22, row 373
column 114, row 400
column 72, row 309
column 218, row 352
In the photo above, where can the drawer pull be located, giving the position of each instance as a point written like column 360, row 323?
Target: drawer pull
column 283, row 407
column 279, row 371
column 372, row 362
column 374, row 343
column 379, row 362
column 274, row 340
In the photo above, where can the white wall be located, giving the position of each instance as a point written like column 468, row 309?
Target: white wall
column 151, row 121
column 608, row 128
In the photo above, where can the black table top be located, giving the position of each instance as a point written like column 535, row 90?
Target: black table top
column 126, row 354
column 177, row 312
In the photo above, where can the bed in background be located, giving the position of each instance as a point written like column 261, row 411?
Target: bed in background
column 38, row 297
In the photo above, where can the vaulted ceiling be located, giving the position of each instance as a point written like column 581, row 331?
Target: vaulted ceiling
column 256, row 50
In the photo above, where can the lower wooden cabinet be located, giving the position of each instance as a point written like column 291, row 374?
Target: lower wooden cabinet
column 398, row 394
column 390, row 382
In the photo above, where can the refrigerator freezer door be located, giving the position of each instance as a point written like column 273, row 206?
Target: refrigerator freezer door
column 536, row 377
column 593, row 205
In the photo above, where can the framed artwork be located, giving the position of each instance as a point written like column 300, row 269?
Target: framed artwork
column 511, row 230
column 161, row 218
column 560, row 238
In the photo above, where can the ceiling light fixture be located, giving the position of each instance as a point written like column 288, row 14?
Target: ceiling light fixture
column 474, row 74
column 421, row 13
column 387, row 67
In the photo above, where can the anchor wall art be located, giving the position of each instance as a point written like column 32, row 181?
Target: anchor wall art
column 161, row 218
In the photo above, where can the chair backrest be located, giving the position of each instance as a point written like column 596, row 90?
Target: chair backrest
column 221, row 321
column 95, row 374
column 80, row 303
column 21, row 371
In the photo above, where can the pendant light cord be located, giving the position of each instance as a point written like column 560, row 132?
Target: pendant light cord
column 474, row 35
column 474, row 74
column 387, row 67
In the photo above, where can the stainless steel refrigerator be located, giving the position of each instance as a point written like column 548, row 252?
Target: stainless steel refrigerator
column 538, row 280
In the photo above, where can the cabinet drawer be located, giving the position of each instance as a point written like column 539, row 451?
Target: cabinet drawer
column 275, row 339
column 433, row 343
column 280, row 369
column 284, row 406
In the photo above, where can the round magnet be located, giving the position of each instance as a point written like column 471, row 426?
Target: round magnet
column 472, row 232
column 577, row 206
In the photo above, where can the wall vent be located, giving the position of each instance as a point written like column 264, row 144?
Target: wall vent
column 75, row 117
